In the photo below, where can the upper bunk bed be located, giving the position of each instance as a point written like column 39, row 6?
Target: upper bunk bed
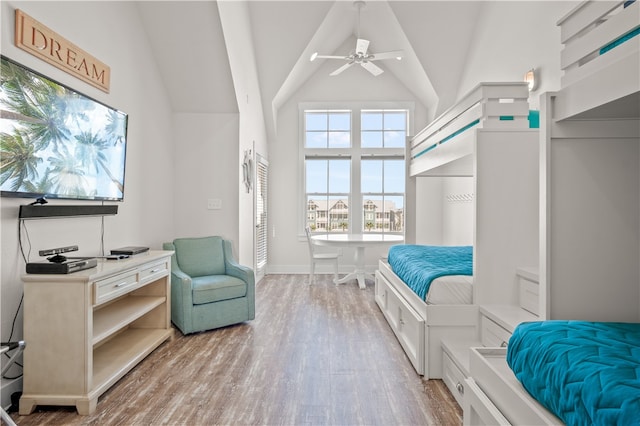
column 445, row 148
column 601, row 61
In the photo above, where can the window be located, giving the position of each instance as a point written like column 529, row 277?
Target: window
column 383, row 194
column 354, row 169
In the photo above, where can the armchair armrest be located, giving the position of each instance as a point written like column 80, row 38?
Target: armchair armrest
column 181, row 294
column 246, row 274
column 233, row 268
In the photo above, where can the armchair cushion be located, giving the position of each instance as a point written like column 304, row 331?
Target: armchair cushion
column 214, row 288
column 198, row 257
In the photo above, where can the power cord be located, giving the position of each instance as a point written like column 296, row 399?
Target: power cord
column 13, row 325
column 21, row 225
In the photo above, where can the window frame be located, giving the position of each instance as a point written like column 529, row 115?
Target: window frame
column 356, row 153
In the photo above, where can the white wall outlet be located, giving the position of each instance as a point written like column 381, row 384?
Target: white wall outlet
column 214, row 204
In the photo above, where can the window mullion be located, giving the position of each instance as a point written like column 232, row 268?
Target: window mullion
column 356, row 167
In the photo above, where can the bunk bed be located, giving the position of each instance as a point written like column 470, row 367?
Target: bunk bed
column 485, row 136
column 590, row 174
column 445, row 147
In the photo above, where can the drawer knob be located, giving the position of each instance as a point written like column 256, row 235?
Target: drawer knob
column 460, row 388
column 153, row 271
column 122, row 284
column 503, row 344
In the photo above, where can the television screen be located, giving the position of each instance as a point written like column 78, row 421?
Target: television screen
column 56, row 142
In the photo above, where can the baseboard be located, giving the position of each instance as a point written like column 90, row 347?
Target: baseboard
column 320, row 269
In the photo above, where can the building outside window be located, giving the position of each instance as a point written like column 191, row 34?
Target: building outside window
column 354, row 169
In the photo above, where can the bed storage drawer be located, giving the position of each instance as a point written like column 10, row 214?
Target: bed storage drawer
column 490, row 371
column 492, row 334
column 454, row 378
column 529, row 296
column 478, row 409
column 405, row 322
column 528, row 289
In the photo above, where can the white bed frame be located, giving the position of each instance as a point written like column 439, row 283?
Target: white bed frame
column 444, row 148
column 501, row 157
column 595, row 117
column 590, row 80
column 420, row 327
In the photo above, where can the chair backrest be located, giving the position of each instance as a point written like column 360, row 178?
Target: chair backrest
column 307, row 231
column 198, row 257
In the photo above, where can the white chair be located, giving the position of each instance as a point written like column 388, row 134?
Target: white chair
column 325, row 256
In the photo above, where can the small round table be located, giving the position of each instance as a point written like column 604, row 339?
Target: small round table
column 360, row 242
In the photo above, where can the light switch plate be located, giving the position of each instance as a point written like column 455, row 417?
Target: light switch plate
column 214, row 204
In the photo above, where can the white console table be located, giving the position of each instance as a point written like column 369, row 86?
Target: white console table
column 86, row 330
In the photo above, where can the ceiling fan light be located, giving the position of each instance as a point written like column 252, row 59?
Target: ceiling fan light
column 313, row 56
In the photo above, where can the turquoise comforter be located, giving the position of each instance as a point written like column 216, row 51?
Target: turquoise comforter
column 419, row 265
column 586, row 373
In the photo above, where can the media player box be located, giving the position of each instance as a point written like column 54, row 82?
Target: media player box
column 130, row 250
column 66, row 267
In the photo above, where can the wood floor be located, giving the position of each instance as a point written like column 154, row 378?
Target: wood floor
column 319, row 354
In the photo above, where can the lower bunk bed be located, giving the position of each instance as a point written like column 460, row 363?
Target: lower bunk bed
column 426, row 294
column 558, row 372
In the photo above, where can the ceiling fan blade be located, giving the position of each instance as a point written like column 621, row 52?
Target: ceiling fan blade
column 362, row 46
column 386, row 55
column 328, row 57
column 372, row 68
column 342, row 68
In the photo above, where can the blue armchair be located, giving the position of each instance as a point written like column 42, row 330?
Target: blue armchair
column 209, row 289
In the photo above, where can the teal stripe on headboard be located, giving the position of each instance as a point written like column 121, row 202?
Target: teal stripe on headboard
column 451, row 136
column 424, row 151
column 457, row 132
column 534, row 119
column 617, row 42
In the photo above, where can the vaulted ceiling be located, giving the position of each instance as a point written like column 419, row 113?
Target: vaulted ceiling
column 188, row 43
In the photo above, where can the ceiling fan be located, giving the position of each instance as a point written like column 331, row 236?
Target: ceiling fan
column 361, row 54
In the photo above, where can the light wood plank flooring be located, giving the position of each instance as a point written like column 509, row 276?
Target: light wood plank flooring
column 315, row 354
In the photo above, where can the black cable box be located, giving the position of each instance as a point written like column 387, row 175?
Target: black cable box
column 130, row 250
column 68, row 266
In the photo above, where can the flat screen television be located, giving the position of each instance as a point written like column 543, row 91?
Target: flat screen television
column 56, row 142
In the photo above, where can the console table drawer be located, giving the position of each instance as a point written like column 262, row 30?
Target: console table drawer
column 153, row 271
column 112, row 287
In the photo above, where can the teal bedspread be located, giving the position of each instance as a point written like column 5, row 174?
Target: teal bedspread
column 586, row 373
column 419, row 265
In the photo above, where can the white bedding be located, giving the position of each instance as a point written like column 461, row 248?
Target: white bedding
column 451, row 290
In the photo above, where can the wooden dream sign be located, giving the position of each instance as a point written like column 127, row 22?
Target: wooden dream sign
column 42, row 42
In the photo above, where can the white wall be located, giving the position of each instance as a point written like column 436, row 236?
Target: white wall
column 513, row 37
column 429, row 214
column 205, row 160
column 457, row 216
column 252, row 136
column 287, row 250
column 111, row 32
